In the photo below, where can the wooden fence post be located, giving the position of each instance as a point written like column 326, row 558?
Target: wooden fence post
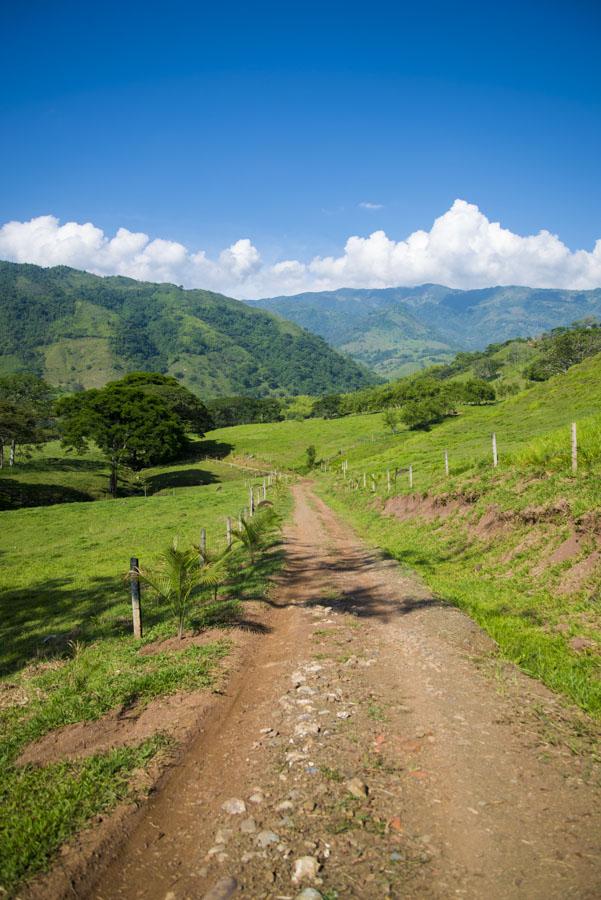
column 228, row 532
column 134, row 578
column 387, row 481
column 203, row 541
column 574, row 448
column 251, row 500
column 364, row 480
column 446, row 463
column 373, row 482
column 264, row 490
column 495, row 455
column 410, row 476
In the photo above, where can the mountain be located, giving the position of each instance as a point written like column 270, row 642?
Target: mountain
column 395, row 331
column 79, row 330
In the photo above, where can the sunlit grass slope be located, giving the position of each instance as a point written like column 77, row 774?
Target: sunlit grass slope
column 367, row 444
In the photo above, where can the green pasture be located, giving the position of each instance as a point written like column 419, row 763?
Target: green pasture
column 66, row 650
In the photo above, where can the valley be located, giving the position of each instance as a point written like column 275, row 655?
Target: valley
column 369, row 561
column 370, row 651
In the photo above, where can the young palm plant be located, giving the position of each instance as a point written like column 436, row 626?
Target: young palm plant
column 254, row 533
column 181, row 579
column 214, row 569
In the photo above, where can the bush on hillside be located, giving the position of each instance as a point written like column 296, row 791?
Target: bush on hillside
column 421, row 414
column 327, row 407
column 563, row 348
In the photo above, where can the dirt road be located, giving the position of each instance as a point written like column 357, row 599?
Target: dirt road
column 372, row 746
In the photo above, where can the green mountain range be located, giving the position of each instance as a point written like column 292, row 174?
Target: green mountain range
column 395, row 331
column 79, row 330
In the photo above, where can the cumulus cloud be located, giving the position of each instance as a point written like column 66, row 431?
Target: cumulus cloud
column 366, row 204
column 462, row 249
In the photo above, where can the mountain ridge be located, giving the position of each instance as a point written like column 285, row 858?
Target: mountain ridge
column 432, row 322
column 80, row 330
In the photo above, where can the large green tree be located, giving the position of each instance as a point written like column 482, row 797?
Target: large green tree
column 226, row 411
column 25, row 412
column 17, row 426
column 130, row 425
column 190, row 410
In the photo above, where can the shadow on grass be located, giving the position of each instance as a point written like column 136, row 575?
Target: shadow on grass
column 180, row 478
column 63, row 464
column 40, row 621
column 15, row 494
column 46, row 616
column 250, row 582
column 212, row 449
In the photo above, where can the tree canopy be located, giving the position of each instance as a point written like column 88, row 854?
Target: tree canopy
column 130, row 425
column 190, row 410
column 25, row 412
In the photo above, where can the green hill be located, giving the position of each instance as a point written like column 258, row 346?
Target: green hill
column 367, row 443
column 79, row 331
column 395, row 331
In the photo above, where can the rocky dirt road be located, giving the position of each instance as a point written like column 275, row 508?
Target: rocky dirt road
column 371, row 746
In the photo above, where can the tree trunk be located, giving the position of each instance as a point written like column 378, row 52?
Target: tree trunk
column 1, row 454
column 113, row 478
column 11, row 458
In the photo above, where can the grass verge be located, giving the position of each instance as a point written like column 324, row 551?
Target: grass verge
column 68, row 654
column 523, row 613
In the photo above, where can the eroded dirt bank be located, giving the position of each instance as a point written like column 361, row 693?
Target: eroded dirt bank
column 372, row 746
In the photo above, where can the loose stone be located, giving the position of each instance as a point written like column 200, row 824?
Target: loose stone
column 284, row 806
column 234, row 807
column 305, row 869
column 357, row 788
column 223, row 835
column 305, row 728
column 265, row 838
column 222, row 889
column 248, row 826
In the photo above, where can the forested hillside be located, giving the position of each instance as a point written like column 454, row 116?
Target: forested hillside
column 395, row 331
column 79, row 330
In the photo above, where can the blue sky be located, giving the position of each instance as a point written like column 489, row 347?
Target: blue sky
column 204, row 124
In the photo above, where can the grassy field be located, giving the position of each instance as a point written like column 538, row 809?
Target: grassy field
column 50, row 475
column 66, row 648
column 508, row 580
column 365, row 442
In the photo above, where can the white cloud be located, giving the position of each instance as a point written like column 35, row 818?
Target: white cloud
column 462, row 249
column 366, row 204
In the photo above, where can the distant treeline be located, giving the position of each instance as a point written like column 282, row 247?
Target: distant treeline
column 27, row 403
column 470, row 378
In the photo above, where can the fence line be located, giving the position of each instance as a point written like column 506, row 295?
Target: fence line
column 355, row 484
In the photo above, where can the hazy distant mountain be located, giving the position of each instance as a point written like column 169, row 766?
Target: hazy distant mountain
column 397, row 330
column 80, row 330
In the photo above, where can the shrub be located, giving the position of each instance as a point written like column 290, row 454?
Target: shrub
column 418, row 414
